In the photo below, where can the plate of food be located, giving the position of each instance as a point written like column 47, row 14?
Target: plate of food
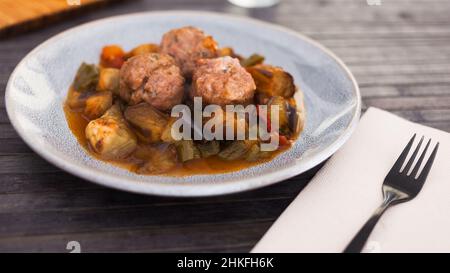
column 133, row 102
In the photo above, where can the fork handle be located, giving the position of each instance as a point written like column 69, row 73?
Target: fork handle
column 358, row 242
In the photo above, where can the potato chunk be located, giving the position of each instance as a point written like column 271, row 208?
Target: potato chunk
column 97, row 104
column 142, row 49
column 109, row 80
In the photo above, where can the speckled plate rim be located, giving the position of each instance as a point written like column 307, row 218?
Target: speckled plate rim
column 191, row 189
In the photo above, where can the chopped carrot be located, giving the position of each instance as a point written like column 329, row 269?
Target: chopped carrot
column 112, row 56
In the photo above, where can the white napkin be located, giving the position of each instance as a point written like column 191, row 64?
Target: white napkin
column 347, row 190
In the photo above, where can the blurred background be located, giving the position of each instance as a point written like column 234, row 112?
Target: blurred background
column 398, row 50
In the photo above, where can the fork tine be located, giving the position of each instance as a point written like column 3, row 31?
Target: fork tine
column 423, row 175
column 413, row 156
column 419, row 162
column 398, row 164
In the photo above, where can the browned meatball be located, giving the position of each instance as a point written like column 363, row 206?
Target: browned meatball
column 222, row 81
column 153, row 78
column 187, row 45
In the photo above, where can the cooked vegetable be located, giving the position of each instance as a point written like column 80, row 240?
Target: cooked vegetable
column 156, row 160
column 187, row 150
column 229, row 121
column 208, row 148
column 283, row 140
column 272, row 80
column 142, row 49
column 283, row 113
column 261, row 98
column 128, row 96
column 236, row 149
column 86, row 78
column 295, row 119
column 166, row 135
column 109, row 135
column 225, row 51
column 109, row 80
column 97, row 104
column 76, row 100
column 112, row 56
column 148, row 121
column 255, row 153
column 254, row 59
column 228, row 51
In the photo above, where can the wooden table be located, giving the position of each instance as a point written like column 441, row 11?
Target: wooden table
column 399, row 53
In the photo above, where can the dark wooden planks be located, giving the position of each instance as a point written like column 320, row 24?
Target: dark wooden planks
column 234, row 237
column 399, row 53
column 124, row 218
column 20, row 163
column 82, row 197
column 60, row 182
column 409, row 103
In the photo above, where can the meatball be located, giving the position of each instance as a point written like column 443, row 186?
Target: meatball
column 187, row 45
column 153, row 78
column 222, row 81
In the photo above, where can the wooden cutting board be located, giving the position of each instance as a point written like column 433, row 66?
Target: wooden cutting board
column 20, row 15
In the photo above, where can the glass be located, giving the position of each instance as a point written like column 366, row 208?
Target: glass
column 254, row 3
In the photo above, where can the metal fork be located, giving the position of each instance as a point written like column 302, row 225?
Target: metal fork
column 398, row 187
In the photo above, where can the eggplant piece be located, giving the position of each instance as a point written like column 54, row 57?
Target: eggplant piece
column 109, row 136
column 187, row 150
column 208, row 148
column 86, row 78
column 236, row 149
column 109, row 80
column 283, row 114
column 296, row 121
column 272, row 80
column 156, row 160
column 167, row 135
column 254, row 59
column 148, row 121
column 142, row 49
column 97, row 104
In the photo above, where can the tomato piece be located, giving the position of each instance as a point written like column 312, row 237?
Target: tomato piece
column 283, row 140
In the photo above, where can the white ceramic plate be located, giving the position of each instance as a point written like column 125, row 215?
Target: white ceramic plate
column 38, row 86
